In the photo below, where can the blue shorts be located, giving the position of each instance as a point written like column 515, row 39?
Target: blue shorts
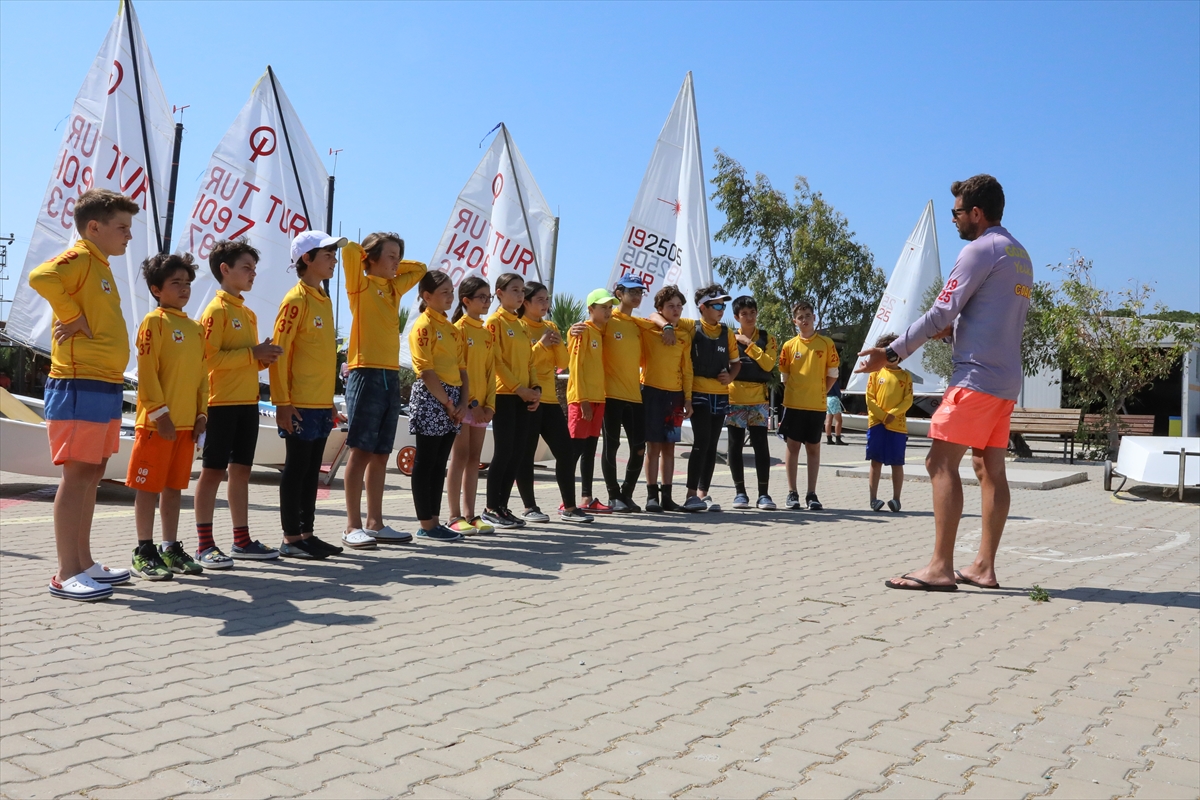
column 314, row 424
column 886, row 447
column 373, row 403
column 664, row 414
column 833, row 405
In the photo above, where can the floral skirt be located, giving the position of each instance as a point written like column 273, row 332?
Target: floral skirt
column 426, row 416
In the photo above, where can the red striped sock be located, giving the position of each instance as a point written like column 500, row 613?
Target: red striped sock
column 241, row 536
column 204, row 534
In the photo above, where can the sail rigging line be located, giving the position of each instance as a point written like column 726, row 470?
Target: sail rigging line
column 521, row 200
column 137, row 83
column 287, row 141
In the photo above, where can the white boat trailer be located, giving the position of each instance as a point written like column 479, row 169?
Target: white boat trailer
column 1161, row 460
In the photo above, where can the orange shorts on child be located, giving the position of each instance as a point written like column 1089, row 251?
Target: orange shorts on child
column 581, row 428
column 972, row 418
column 157, row 464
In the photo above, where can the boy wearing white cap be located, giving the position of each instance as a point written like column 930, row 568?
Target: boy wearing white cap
column 302, row 386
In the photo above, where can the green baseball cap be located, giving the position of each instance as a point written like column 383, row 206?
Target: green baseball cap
column 600, row 297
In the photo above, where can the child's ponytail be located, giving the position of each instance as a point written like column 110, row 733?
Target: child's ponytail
column 468, row 287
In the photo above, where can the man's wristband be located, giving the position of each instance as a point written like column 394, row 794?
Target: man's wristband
column 892, row 356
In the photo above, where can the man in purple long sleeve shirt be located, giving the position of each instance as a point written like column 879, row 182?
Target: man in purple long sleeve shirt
column 982, row 311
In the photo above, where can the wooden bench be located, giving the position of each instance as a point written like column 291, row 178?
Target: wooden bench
column 1063, row 423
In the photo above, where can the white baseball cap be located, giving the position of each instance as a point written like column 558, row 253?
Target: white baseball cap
column 312, row 240
column 714, row 297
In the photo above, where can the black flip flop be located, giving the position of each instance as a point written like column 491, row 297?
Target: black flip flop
column 924, row 586
column 960, row 578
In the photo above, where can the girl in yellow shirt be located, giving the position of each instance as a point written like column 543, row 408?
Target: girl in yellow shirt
column 548, row 422
column 474, row 297
column 439, row 400
column 748, row 406
column 518, row 395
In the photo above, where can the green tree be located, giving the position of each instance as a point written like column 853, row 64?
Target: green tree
column 1112, row 355
column 936, row 354
column 797, row 248
column 565, row 311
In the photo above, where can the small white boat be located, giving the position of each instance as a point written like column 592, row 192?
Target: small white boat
column 858, row 422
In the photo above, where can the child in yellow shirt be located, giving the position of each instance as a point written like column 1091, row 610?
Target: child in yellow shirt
column 172, row 411
column 666, row 395
column 749, row 409
column 235, row 358
column 548, row 422
column 474, row 297
column 377, row 276
column 302, row 385
column 439, row 400
column 585, row 398
column 808, row 367
column 88, row 357
column 889, row 396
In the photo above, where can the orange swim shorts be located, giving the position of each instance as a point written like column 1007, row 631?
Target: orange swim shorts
column 972, row 418
column 157, row 463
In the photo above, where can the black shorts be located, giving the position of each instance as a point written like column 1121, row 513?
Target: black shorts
column 802, row 426
column 230, row 436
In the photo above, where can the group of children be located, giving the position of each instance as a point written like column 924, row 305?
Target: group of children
column 198, row 386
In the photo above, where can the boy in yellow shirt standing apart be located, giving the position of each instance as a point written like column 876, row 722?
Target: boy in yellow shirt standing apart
column 88, row 356
column 235, row 357
column 585, row 397
column 377, row 276
column 808, row 367
column 172, row 411
column 889, row 396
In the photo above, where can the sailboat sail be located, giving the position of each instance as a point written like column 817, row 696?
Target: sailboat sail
column 666, row 239
column 264, row 182
column 119, row 136
column 918, row 268
column 500, row 223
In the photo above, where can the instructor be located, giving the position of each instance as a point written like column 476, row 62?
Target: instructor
column 982, row 311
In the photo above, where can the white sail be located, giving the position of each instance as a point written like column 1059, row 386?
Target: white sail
column 918, row 267
column 500, row 223
column 264, row 182
column 108, row 144
column 666, row 239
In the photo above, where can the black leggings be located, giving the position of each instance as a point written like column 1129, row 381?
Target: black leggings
column 706, row 434
column 298, row 485
column 618, row 413
column 584, row 451
column 549, row 423
column 762, row 457
column 429, row 473
column 510, row 437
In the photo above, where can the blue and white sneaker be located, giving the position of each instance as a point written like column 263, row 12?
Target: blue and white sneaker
column 439, row 533
column 110, row 576
column 80, row 587
column 694, row 504
column 741, row 501
column 765, row 503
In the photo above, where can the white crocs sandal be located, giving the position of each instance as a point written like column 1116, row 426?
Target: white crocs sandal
column 107, row 575
column 358, row 539
column 390, row 535
column 79, row 587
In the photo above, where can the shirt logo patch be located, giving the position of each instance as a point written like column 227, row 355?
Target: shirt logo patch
column 237, row 324
column 317, row 323
column 509, row 331
column 617, row 335
column 439, row 335
column 379, row 292
column 177, row 335
column 595, row 344
column 105, row 286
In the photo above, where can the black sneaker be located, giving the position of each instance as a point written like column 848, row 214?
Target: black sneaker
column 894, row 505
column 576, row 515
column 513, row 520
column 653, row 506
column 793, row 501
column 256, row 551
column 318, row 546
column 300, row 549
column 634, row 508
column 496, row 519
column 619, row 506
column 812, row 502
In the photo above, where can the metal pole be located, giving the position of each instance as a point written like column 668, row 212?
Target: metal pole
column 524, row 215
column 137, row 82
column 553, row 260
column 171, row 188
column 328, row 217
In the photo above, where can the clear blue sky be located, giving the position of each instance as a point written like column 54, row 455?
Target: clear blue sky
column 1088, row 113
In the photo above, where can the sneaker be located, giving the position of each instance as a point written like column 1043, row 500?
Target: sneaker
column 793, row 501
column 82, row 587
column 576, row 515
column 482, row 527
column 389, row 535
column 178, row 560
column 213, row 558
column 596, row 507
column 358, row 539
column 148, row 563
column 741, row 501
column 439, row 533
column 255, row 551
column 694, row 504
column 301, row 548
column 712, row 506
column 839, row 441
column 496, row 520
column 812, row 502
column 765, row 503
column 876, row 505
column 322, row 546
column 513, row 520
column 634, row 508
column 462, row 526
column 828, row 440
column 894, row 504
column 107, row 575
column 535, row 514
column 619, row 506
column 653, row 506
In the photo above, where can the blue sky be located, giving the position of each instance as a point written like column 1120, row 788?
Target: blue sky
column 1089, row 114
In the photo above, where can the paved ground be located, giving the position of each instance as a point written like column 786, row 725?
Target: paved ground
column 730, row 655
